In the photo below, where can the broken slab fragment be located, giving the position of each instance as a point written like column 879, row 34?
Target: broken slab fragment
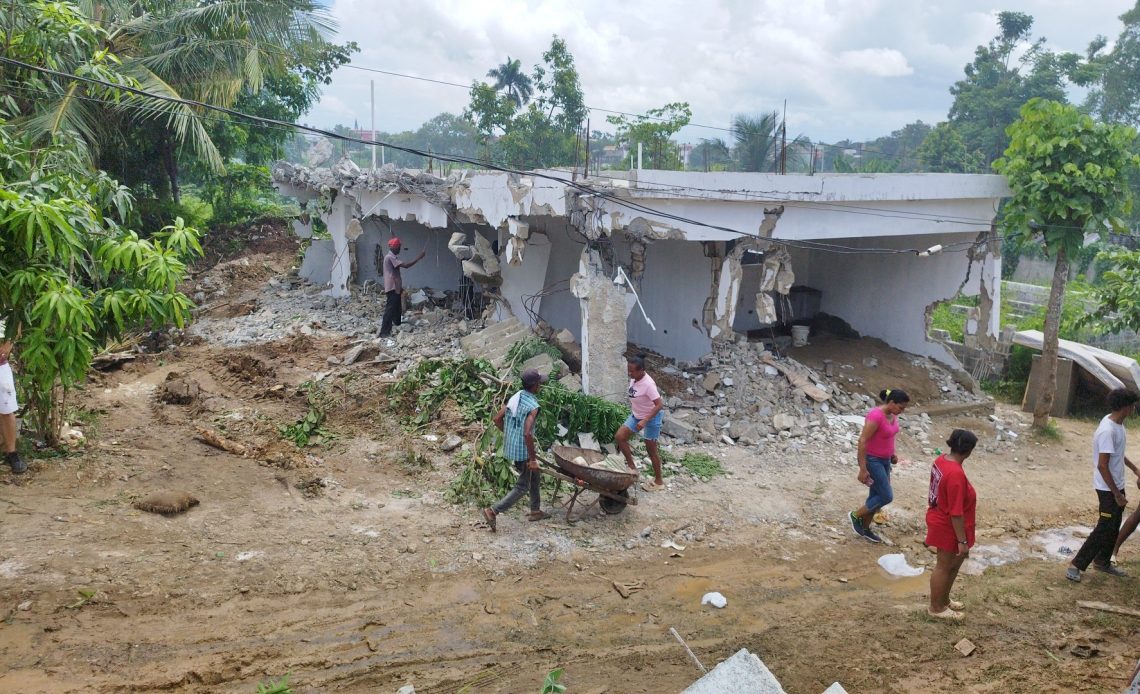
column 678, row 429
column 743, row 673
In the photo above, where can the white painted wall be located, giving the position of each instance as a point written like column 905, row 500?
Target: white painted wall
column 561, row 309
column 525, row 279
column 439, row 269
column 678, row 279
column 886, row 296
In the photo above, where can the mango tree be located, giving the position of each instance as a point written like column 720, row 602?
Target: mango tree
column 1068, row 174
column 72, row 277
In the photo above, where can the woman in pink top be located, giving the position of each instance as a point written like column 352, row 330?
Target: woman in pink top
column 876, row 456
column 645, row 402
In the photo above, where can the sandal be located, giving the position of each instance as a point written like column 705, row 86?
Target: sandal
column 956, row 605
column 489, row 514
column 537, row 516
column 652, row 486
column 945, row 614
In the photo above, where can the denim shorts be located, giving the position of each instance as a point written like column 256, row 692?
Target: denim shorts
column 651, row 431
column 880, row 493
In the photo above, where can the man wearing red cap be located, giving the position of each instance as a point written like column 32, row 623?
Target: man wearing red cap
column 394, row 286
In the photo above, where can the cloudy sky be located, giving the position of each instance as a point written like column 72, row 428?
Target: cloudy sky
column 848, row 68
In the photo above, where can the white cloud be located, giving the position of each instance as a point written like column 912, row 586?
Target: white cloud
column 879, row 62
column 847, row 68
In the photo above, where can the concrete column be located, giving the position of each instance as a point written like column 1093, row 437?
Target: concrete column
column 341, row 271
column 604, row 312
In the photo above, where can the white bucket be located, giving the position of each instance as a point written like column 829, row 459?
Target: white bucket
column 800, row 335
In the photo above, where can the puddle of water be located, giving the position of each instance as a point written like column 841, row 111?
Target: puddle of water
column 881, row 580
column 1062, row 543
column 1057, row 544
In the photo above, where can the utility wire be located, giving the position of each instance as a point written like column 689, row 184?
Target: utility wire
column 448, row 157
column 391, row 73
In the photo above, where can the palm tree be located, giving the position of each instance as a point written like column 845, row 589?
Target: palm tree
column 510, row 76
column 185, row 50
column 757, row 141
column 760, row 144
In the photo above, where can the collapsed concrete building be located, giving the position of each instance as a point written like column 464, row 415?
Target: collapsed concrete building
column 671, row 261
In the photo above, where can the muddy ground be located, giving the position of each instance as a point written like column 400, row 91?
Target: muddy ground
column 343, row 566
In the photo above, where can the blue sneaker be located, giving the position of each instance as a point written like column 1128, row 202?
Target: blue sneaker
column 871, row 536
column 856, row 524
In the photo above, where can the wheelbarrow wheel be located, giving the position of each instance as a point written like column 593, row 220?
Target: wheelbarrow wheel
column 613, row 506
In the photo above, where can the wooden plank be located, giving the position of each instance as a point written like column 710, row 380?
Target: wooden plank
column 1105, row 607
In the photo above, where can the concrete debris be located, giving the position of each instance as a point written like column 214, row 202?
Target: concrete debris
column 966, row 647
column 743, row 673
column 673, row 426
column 572, row 383
column 835, row 688
column 710, row 382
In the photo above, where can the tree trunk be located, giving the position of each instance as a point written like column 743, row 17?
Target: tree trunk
column 1052, row 334
column 170, row 162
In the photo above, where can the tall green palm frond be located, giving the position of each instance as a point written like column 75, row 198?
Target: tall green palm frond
column 180, row 118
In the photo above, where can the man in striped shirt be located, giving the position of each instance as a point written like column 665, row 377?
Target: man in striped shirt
column 516, row 421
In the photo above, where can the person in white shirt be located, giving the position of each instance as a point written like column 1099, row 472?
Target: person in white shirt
column 1109, row 462
column 8, row 406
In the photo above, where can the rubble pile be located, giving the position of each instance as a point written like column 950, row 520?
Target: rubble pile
column 346, row 175
column 742, row 394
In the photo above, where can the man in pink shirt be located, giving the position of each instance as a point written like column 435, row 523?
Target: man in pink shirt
column 645, row 402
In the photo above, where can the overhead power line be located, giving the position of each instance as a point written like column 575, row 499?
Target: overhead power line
column 581, row 187
column 392, row 73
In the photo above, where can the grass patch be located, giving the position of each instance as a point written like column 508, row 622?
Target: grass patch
column 702, row 465
column 280, row 686
column 1050, row 432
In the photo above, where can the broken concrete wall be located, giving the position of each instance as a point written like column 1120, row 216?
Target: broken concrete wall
column 317, row 263
column 561, row 308
column 605, row 306
column 886, row 296
column 439, row 269
column 746, row 317
column 673, row 291
column 525, row 279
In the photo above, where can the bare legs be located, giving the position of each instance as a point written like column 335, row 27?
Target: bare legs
column 622, row 440
column 8, row 432
column 1127, row 529
column 942, row 579
column 651, row 447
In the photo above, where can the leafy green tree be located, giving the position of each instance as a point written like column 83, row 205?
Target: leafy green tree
column 900, row 147
column 654, row 130
column 509, row 76
column 547, row 132
column 712, row 154
column 943, row 151
column 1114, row 77
column 214, row 52
column 868, row 165
column 1007, row 72
column 1068, row 177
column 72, row 276
column 1117, row 291
column 559, row 88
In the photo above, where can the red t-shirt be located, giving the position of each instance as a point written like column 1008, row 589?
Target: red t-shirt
column 951, row 494
column 881, row 444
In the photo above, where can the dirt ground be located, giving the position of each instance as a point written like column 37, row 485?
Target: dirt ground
column 343, row 566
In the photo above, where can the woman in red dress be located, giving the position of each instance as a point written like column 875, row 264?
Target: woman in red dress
column 950, row 521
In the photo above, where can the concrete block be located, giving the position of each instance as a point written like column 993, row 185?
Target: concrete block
column 1066, row 386
column 678, row 429
column 743, row 673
